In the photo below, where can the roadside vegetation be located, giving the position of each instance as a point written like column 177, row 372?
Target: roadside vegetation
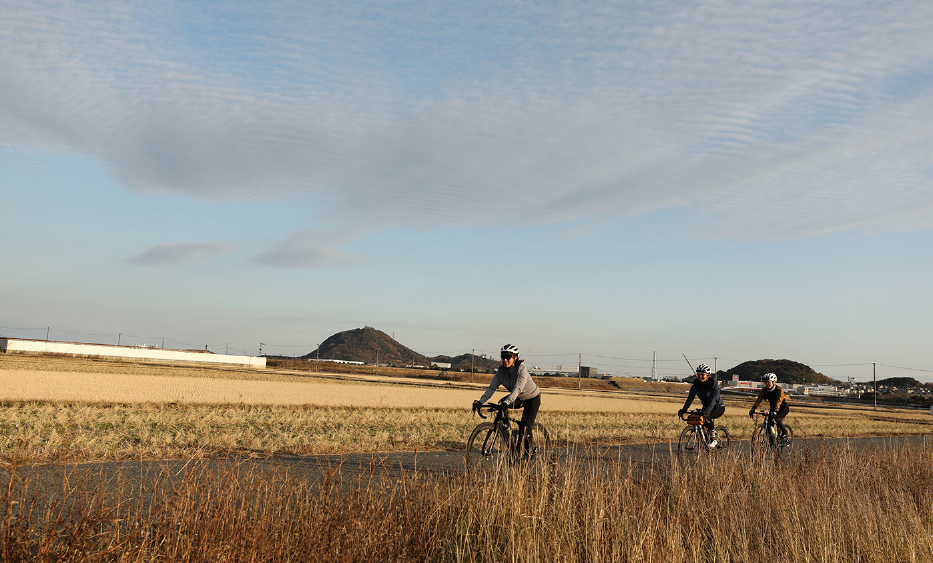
column 828, row 506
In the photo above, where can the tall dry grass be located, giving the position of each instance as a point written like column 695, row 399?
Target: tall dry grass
column 827, row 506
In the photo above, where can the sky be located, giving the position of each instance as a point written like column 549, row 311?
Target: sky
column 593, row 182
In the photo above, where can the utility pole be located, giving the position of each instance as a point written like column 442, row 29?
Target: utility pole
column 874, row 378
column 654, row 366
column 47, row 330
column 579, row 369
column 119, row 337
column 226, row 348
column 472, row 357
column 260, row 349
column 163, row 343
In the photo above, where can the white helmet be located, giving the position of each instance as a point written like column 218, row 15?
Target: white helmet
column 769, row 377
column 509, row 349
column 703, row 368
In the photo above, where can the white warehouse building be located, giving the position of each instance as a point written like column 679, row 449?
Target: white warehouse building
column 27, row 346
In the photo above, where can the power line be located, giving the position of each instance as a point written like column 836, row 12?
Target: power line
column 908, row 369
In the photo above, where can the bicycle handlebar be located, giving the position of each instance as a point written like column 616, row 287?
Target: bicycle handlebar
column 694, row 411
column 488, row 406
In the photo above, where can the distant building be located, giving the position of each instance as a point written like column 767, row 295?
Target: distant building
column 739, row 384
column 29, row 346
column 442, row 365
column 556, row 368
column 350, row 362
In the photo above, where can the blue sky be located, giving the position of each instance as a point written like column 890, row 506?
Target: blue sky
column 732, row 180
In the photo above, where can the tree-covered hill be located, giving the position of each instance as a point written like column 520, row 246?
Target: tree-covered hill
column 900, row 382
column 462, row 363
column 787, row 371
column 360, row 345
column 363, row 345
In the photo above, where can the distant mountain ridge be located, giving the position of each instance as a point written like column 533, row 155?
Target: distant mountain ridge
column 371, row 346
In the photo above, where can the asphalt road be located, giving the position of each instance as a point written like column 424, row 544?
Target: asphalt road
column 137, row 476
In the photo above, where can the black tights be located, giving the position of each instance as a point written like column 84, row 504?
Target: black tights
column 716, row 413
column 529, row 414
column 779, row 417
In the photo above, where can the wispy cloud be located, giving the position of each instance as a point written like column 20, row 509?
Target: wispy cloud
column 760, row 116
column 181, row 253
column 310, row 248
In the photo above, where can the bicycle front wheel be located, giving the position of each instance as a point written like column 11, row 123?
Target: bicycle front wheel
column 542, row 443
column 486, row 446
column 689, row 442
column 786, row 441
column 762, row 440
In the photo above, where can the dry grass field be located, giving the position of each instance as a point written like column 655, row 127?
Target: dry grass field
column 67, row 408
column 836, row 506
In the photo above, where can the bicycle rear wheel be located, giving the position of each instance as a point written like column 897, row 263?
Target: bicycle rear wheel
column 689, row 442
column 486, row 447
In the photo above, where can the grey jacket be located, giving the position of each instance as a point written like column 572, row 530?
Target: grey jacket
column 516, row 380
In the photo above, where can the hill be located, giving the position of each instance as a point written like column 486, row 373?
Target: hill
column 787, row 371
column 462, row 363
column 900, row 382
column 363, row 345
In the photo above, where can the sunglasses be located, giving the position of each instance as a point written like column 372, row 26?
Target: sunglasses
column 507, row 356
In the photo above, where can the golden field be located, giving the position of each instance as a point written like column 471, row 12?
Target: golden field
column 61, row 408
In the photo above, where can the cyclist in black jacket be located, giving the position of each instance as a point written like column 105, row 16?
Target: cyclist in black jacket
column 706, row 388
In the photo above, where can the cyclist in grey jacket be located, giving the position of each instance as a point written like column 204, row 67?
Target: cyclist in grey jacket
column 523, row 391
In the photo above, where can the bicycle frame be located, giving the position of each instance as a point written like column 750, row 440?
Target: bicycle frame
column 503, row 423
column 695, row 438
column 501, row 440
column 768, row 427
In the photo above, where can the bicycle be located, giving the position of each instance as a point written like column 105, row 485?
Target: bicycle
column 695, row 438
column 498, row 441
column 765, row 437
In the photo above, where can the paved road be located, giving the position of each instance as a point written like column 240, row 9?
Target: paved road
column 135, row 475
